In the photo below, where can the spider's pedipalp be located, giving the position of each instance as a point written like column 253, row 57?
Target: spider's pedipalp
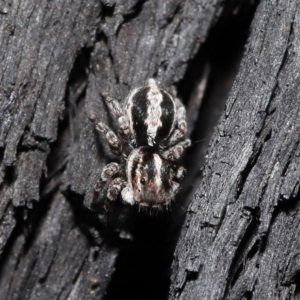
column 180, row 173
column 175, row 188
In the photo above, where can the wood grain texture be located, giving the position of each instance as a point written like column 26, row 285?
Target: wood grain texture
column 57, row 57
column 38, row 47
column 239, row 237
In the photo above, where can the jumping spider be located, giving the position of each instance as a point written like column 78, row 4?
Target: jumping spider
column 151, row 137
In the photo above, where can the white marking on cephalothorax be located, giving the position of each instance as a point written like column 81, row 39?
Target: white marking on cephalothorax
column 132, row 157
column 139, row 173
column 158, row 165
column 153, row 122
column 127, row 192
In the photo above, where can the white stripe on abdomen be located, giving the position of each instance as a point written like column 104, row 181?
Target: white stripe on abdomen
column 154, row 111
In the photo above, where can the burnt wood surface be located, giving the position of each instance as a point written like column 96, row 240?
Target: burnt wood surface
column 56, row 59
column 239, row 238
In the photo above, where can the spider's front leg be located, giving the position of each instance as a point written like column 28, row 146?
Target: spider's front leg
column 107, row 173
column 115, row 187
column 110, row 170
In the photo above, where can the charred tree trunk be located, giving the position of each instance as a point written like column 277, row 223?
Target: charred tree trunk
column 239, row 238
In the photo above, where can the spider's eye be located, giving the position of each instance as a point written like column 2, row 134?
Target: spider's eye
column 143, row 181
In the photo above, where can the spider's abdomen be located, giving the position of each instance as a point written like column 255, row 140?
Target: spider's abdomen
column 151, row 113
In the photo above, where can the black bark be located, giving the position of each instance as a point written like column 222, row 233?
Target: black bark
column 240, row 239
column 240, row 235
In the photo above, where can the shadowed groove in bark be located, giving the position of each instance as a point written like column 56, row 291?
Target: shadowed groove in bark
column 133, row 276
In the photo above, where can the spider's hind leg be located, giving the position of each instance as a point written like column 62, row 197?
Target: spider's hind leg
column 174, row 152
column 115, row 108
column 112, row 139
column 181, row 129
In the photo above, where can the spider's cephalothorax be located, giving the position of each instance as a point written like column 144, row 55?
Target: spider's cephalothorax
column 150, row 138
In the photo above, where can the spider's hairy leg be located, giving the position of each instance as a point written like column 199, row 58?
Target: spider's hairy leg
column 118, row 113
column 181, row 129
column 115, row 187
column 112, row 139
column 110, row 170
column 176, row 151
